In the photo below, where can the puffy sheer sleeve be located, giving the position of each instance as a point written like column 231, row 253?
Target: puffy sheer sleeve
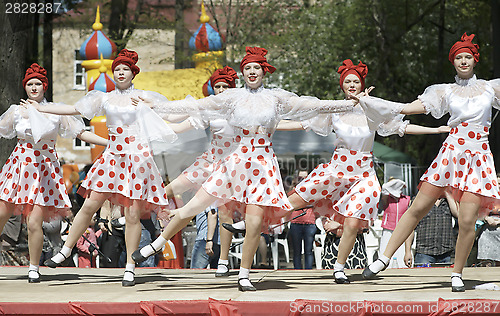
column 7, row 122
column 384, row 116
column 298, row 108
column 321, row 124
column 70, row 126
column 91, row 104
column 495, row 84
column 434, row 100
column 211, row 107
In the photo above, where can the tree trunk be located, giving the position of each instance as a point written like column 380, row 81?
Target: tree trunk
column 16, row 53
column 495, row 130
column 47, row 52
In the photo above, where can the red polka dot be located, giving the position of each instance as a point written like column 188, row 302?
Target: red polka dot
column 261, row 141
column 461, row 141
column 100, row 184
column 436, row 177
column 263, row 180
column 218, row 182
column 475, row 181
column 313, row 191
column 246, row 132
column 111, row 186
column 375, row 193
column 119, row 147
column 119, row 130
column 462, row 161
column 472, row 134
column 256, row 172
column 248, row 165
column 137, row 186
column 340, row 175
column 485, row 146
column 366, row 174
column 343, row 158
column 488, row 186
column 100, row 172
column 370, row 183
column 478, row 163
column 447, row 175
column 350, row 168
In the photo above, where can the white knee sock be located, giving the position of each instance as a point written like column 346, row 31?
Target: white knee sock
column 456, row 281
column 377, row 266
column 157, row 245
column 33, row 271
column 222, row 266
column 129, row 267
column 243, row 277
column 338, row 270
column 62, row 255
column 240, row 225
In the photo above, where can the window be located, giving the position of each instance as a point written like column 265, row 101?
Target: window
column 79, row 75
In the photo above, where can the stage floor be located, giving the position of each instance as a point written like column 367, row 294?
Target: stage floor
column 104, row 285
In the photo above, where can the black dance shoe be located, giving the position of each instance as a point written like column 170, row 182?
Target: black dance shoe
column 369, row 274
column 459, row 288
column 138, row 257
column 34, row 280
column 245, row 288
column 340, row 280
column 52, row 264
column 127, row 282
column 222, row 274
column 232, row 229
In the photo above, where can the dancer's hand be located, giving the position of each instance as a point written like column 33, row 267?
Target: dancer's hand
column 149, row 103
column 33, row 103
column 173, row 213
column 444, row 129
column 361, row 94
column 332, row 226
column 408, row 259
column 208, row 248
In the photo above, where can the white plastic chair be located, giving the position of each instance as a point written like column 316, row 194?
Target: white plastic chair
column 372, row 240
column 319, row 238
column 279, row 241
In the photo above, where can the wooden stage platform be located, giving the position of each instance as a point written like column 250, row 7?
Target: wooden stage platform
column 63, row 285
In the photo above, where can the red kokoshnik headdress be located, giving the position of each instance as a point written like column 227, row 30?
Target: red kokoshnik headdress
column 464, row 45
column 226, row 74
column 36, row 71
column 347, row 68
column 129, row 58
column 257, row 55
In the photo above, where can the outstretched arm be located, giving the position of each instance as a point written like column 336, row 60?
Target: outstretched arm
column 286, row 125
column 416, row 107
column 92, row 138
column 52, row 109
column 181, row 127
column 418, row 130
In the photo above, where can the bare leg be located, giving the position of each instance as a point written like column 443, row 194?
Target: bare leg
column 422, row 204
column 417, row 210
column 132, row 230
column 262, row 248
column 178, row 186
column 225, row 235
column 296, row 201
column 35, row 234
column 225, row 242
column 183, row 216
column 6, row 211
column 351, row 228
column 80, row 224
column 253, row 218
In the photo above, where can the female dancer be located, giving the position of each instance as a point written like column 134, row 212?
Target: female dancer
column 126, row 174
column 202, row 168
column 464, row 164
column 31, row 180
column 250, row 173
column 347, row 187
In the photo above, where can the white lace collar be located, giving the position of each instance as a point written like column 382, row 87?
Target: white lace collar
column 259, row 89
column 125, row 91
column 466, row 82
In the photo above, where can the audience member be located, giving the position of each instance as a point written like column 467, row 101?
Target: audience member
column 206, row 249
column 489, row 239
column 394, row 204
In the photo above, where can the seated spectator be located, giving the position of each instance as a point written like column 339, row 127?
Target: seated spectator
column 52, row 241
column 357, row 258
column 87, row 251
column 489, row 239
column 112, row 239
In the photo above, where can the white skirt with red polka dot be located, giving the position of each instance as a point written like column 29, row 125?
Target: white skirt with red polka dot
column 126, row 172
column 203, row 166
column 347, row 186
column 250, row 175
column 465, row 163
column 32, row 176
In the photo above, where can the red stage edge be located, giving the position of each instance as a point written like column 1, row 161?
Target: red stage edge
column 250, row 308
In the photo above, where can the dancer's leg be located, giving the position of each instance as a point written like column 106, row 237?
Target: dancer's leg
column 467, row 216
column 132, row 238
column 296, row 201
column 6, row 211
column 80, row 224
column 351, row 228
column 35, row 234
column 422, row 204
column 183, row 216
column 253, row 218
column 225, row 242
column 178, row 186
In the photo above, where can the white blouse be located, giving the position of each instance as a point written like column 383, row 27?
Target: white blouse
column 466, row 100
column 29, row 124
